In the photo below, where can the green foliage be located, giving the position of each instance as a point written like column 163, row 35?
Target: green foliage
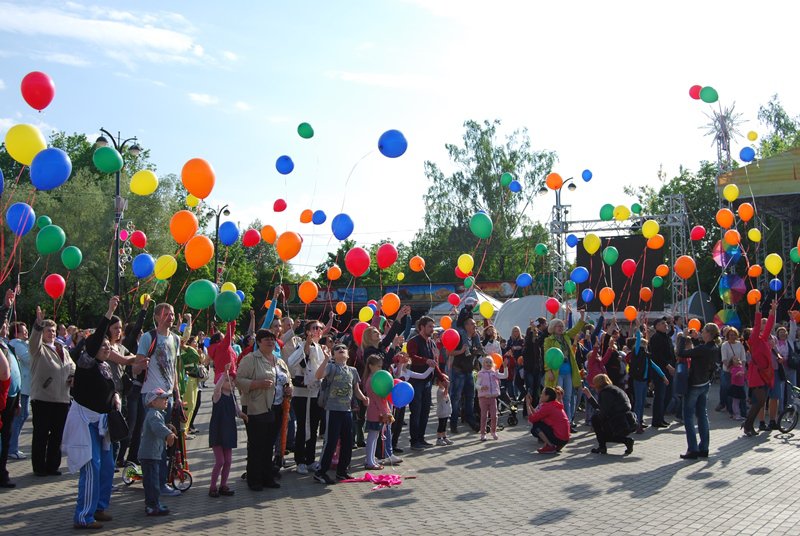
column 784, row 130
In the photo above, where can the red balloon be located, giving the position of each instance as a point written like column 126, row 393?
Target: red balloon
column 552, row 305
column 628, row 267
column 357, row 261
column 358, row 332
column 279, row 205
column 454, row 299
column 251, row 238
column 38, row 90
column 698, row 232
column 460, row 274
column 54, row 285
column 139, row 239
column 694, row 92
column 386, row 256
column 450, row 339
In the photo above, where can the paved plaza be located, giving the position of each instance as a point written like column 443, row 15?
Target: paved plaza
column 747, row 486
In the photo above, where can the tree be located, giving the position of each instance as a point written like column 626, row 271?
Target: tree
column 784, row 131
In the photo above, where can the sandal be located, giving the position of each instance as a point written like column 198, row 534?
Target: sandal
column 213, row 493
column 225, row 491
column 378, row 467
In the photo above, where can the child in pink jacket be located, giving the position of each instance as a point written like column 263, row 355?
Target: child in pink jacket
column 488, row 385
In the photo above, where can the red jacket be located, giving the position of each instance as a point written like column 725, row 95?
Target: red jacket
column 761, row 353
column 552, row 414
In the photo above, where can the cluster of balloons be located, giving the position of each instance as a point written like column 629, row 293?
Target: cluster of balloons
column 400, row 393
column 507, row 180
column 706, row 94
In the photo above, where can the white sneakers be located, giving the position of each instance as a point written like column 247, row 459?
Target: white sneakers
column 302, row 469
column 392, row 459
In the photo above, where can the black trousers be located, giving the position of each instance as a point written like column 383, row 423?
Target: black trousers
column 48, row 427
column 134, row 415
column 305, row 448
column 340, row 430
column 7, row 417
column 603, row 434
column 196, row 408
column 262, row 430
column 397, row 425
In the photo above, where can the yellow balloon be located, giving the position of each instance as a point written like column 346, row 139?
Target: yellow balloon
column 621, row 213
column 465, row 263
column 486, row 309
column 144, row 182
column 773, row 263
column 591, row 243
column 192, row 201
column 730, row 193
column 752, row 135
column 166, row 265
column 650, row 228
column 754, row 235
column 401, row 276
column 365, row 314
column 228, row 286
column 143, row 298
column 23, row 142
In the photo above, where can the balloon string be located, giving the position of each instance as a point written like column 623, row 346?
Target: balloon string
column 350, row 175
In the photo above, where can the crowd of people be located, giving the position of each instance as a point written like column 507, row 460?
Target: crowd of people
column 291, row 381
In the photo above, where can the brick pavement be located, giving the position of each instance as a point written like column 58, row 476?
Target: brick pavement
column 747, row 486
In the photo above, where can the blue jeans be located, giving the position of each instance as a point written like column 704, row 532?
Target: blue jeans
column 661, row 398
column 532, row 384
column 695, row 403
column 460, row 383
column 724, row 385
column 151, row 479
column 639, row 395
column 164, row 470
column 94, row 485
column 19, row 420
column 420, row 409
column 565, row 382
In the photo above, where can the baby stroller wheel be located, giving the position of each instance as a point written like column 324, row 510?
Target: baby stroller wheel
column 788, row 420
column 182, row 480
column 512, row 420
column 129, row 473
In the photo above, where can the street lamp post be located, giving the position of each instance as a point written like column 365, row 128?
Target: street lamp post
column 119, row 203
column 224, row 212
column 558, row 227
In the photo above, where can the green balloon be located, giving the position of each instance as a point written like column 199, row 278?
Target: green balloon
column 658, row 281
column 107, row 159
column 480, row 225
column 506, row 178
column 540, row 249
column 43, row 221
column 201, row 294
column 794, row 255
column 305, row 130
column 636, row 208
column 382, row 383
column 607, row 212
column 469, row 281
column 709, row 95
column 569, row 286
column 50, row 239
column 553, row 358
column 228, row 306
column 71, row 257
column 610, row 255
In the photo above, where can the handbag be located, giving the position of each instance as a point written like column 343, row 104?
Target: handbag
column 117, row 426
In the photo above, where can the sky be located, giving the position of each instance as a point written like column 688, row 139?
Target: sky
column 604, row 85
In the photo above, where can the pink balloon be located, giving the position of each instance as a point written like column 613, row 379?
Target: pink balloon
column 123, row 235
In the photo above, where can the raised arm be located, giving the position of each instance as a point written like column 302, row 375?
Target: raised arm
column 129, row 341
column 271, row 311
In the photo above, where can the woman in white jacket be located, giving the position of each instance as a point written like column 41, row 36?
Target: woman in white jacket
column 303, row 364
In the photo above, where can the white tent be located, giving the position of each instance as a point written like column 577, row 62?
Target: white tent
column 443, row 309
column 520, row 312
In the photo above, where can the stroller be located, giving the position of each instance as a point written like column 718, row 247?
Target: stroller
column 506, row 404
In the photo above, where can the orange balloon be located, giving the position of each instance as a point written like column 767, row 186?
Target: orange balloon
column 308, row 291
column 498, row 360
column 417, row 263
column 630, row 313
column 684, row 266
column 725, row 218
column 754, row 296
column 446, row 322
column 554, row 181
column 694, row 324
column 183, row 226
column 645, row 294
column 390, row 303
column 732, row 237
column 268, row 234
column 754, row 271
column 306, row 215
column 288, row 245
column 198, row 177
column 341, row 308
column 334, row 273
column 746, row 212
column 278, row 313
column 606, row 296
column 267, row 303
column 199, row 250
column 797, row 294
column 662, row 270
column 655, row 241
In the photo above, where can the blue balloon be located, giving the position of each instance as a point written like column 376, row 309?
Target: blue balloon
column 2, row 182
column 392, row 143
column 342, row 226
column 586, row 175
column 318, row 218
column 50, row 168
column 206, row 341
column 240, row 294
column 182, row 327
column 572, row 240
column 228, row 233
column 284, row 165
column 20, row 218
column 515, row 187
column 402, row 394
column 143, row 265
column 372, row 306
column 747, row 154
column 524, row 279
column 775, row 285
column 579, row 275
column 587, row 295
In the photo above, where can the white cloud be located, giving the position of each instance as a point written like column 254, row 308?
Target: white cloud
column 2, row 84
column 395, row 81
column 6, row 123
column 243, row 106
column 203, row 99
column 66, row 59
column 228, row 55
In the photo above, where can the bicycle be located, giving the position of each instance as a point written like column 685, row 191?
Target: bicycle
column 178, row 468
column 789, row 416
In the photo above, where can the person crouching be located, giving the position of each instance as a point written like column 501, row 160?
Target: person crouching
column 549, row 420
